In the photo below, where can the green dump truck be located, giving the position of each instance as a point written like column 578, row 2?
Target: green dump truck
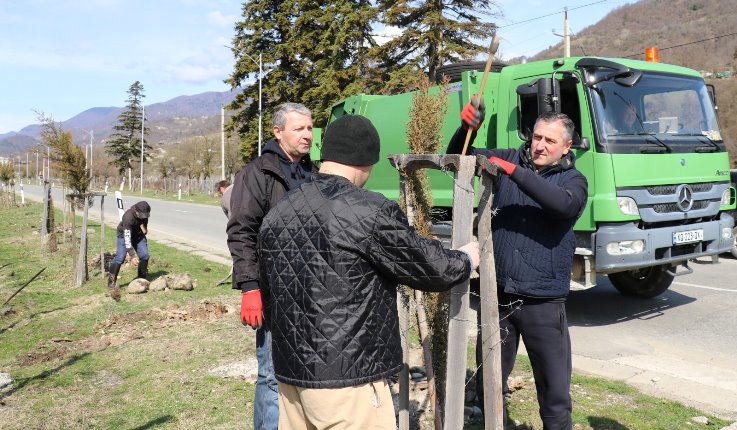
column 659, row 187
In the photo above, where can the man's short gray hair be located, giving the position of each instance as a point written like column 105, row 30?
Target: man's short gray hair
column 549, row 117
column 279, row 119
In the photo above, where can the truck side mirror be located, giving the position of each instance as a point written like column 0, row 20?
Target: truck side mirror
column 548, row 95
column 581, row 143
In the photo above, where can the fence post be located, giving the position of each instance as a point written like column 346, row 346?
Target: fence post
column 81, row 274
column 490, row 344
column 463, row 196
column 180, row 192
column 45, row 221
column 102, row 233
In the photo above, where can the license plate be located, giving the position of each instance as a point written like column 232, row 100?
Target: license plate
column 688, row 236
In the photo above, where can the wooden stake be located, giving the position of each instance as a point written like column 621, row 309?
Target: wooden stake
column 493, row 47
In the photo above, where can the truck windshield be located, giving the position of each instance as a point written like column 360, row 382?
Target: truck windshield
column 661, row 113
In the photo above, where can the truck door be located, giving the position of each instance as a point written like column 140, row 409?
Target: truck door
column 560, row 93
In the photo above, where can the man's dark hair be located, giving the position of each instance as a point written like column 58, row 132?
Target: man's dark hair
column 549, row 117
column 222, row 184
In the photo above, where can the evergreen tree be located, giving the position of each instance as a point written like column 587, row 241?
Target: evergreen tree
column 310, row 51
column 124, row 145
column 434, row 32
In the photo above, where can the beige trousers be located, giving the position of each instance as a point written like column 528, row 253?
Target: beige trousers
column 364, row 407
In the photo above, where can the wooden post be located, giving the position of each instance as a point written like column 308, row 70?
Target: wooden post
column 45, row 221
column 102, row 234
column 463, row 199
column 82, row 274
column 489, row 309
column 455, row 383
column 403, row 311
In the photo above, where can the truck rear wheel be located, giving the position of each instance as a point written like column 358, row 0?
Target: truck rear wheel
column 644, row 283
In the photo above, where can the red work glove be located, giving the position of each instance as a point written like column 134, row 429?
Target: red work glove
column 503, row 165
column 252, row 309
column 473, row 114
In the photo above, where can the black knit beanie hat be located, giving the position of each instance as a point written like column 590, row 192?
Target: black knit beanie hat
column 352, row 140
column 143, row 208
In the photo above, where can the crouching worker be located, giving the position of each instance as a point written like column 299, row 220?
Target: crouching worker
column 331, row 256
column 131, row 240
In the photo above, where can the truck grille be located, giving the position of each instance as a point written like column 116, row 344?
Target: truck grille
column 663, row 190
column 671, row 207
column 659, row 203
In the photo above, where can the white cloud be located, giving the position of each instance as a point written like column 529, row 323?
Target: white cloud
column 387, row 34
column 196, row 74
column 218, row 19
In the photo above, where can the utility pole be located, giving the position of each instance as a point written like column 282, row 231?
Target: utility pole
column 92, row 136
column 566, row 35
column 143, row 119
column 222, row 142
column 260, row 96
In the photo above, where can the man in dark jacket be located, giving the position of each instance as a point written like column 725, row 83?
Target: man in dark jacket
column 538, row 197
column 131, row 241
column 284, row 165
column 331, row 256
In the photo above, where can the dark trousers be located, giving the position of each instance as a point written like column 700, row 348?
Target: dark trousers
column 140, row 245
column 543, row 327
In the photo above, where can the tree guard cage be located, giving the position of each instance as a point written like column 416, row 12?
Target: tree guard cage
column 464, row 169
column 82, row 273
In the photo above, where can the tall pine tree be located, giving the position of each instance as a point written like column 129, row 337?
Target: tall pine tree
column 124, row 145
column 310, row 51
column 434, row 32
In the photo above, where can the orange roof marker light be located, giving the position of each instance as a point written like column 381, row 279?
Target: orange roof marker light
column 652, row 55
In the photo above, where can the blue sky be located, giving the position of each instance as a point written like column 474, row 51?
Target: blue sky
column 61, row 57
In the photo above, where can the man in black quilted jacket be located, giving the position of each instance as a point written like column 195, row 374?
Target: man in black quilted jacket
column 331, row 255
column 538, row 197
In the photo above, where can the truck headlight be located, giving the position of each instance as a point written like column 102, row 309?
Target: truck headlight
column 726, row 197
column 628, row 206
column 726, row 233
column 625, row 247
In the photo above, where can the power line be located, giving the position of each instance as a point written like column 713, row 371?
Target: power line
column 683, row 44
column 550, row 14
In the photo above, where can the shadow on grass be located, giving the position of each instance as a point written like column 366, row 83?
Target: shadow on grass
column 41, row 376
column 157, row 274
column 601, row 423
column 155, row 423
column 11, row 326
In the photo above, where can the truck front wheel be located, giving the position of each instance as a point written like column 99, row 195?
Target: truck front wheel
column 644, row 283
column 734, row 242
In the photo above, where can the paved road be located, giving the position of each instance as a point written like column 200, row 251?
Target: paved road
column 202, row 226
column 681, row 345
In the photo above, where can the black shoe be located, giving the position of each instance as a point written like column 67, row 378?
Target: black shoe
column 113, row 276
column 143, row 269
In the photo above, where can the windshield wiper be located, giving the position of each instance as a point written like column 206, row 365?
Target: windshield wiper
column 662, row 146
column 712, row 147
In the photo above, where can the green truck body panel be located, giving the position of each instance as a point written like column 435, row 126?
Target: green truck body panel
column 678, row 143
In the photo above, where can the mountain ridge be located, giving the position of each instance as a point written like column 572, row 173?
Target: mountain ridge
column 199, row 109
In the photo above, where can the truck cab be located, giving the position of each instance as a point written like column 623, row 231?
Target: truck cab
column 648, row 142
